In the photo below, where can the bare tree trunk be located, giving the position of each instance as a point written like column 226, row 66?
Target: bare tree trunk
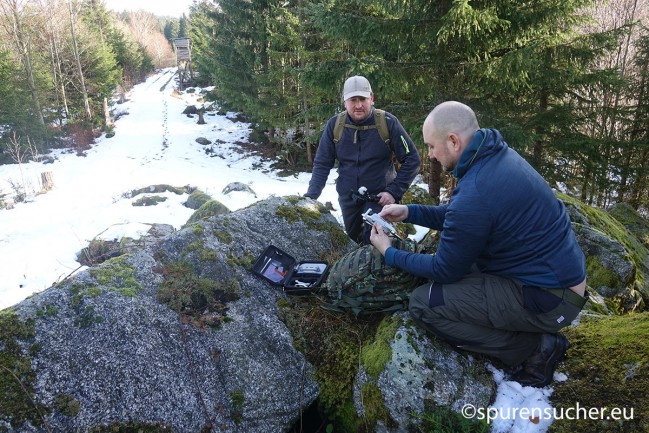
column 57, row 74
column 435, row 180
column 537, row 156
column 307, row 130
column 77, row 59
column 106, row 118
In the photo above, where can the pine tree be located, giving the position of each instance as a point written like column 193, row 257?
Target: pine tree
column 13, row 95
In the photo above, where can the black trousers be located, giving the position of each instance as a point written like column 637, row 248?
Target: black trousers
column 352, row 213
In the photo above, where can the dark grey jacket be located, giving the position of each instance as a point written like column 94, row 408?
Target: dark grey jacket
column 365, row 160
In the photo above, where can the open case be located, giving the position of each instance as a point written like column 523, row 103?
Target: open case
column 281, row 269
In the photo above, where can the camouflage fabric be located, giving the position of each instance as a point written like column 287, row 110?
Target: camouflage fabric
column 360, row 281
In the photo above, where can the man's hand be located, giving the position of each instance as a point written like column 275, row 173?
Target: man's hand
column 394, row 212
column 379, row 239
column 385, row 198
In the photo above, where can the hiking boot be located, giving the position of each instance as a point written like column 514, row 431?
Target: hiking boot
column 538, row 369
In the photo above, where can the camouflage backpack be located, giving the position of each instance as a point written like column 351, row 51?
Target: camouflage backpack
column 361, row 282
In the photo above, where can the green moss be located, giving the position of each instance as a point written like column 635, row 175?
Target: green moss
column 374, row 405
column 293, row 199
column 312, row 217
column 93, row 291
column 238, row 399
column 207, row 255
column 67, row 405
column 632, row 220
column 336, row 382
column 86, row 317
column 17, row 378
column 79, row 292
column 197, row 199
column 339, row 238
column 198, row 230
column 207, row 210
column 598, row 275
column 245, row 261
column 202, row 252
column 293, row 214
column 376, row 354
column 49, row 311
column 595, row 308
column 332, row 343
column 117, row 275
column 149, row 200
column 223, row 236
column 199, row 301
column 608, row 366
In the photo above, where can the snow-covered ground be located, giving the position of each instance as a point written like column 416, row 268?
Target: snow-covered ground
column 156, row 144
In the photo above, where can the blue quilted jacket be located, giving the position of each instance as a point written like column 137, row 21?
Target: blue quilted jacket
column 502, row 217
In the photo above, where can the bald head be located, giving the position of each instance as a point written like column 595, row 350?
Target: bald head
column 451, row 117
column 447, row 131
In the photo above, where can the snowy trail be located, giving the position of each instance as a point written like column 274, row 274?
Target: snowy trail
column 154, row 144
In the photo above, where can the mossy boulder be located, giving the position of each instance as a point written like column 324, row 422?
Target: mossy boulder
column 149, row 200
column 208, row 209
column 404, row 373
column 383, row 373
column 632, row 220
column 616, row 260
column 197, row 199
column 174, row 335
column 158, row 189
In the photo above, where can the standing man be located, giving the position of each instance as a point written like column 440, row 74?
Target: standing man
column 508, row 272
column 362, row 140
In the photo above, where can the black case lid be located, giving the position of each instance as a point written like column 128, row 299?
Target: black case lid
column 273, row 265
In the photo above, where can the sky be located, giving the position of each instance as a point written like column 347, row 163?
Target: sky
column 173, row 8
column 156, row 144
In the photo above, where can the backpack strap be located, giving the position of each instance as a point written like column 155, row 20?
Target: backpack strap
column 339, row 126
column 380, row 124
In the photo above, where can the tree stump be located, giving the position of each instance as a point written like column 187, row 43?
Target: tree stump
column 47, row 180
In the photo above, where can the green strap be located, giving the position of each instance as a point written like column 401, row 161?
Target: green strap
column 380, row 123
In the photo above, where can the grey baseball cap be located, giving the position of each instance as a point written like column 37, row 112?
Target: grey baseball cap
column 356, row 86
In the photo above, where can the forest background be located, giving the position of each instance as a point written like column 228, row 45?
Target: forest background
column 566, row 81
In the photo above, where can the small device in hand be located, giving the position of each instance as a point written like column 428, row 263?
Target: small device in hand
column 374, row 218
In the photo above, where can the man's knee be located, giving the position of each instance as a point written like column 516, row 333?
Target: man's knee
column 419, row 298
column 423, row 302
